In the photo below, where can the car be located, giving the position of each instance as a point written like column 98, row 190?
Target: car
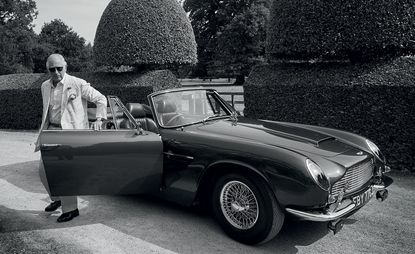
column 190, row 146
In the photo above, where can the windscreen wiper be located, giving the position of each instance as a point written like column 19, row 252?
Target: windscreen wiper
column 211, row 117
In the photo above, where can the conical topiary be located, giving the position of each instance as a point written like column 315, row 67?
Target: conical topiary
column 144, row 32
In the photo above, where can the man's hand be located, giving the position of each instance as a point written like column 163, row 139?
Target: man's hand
column 97, row 125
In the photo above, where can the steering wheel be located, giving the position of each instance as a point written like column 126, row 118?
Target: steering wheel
column 179, row 118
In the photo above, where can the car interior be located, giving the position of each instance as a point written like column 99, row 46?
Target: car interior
column 140, row 112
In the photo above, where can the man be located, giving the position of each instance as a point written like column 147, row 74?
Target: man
column 65, row 99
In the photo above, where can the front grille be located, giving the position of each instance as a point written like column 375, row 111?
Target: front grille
column 356, row 176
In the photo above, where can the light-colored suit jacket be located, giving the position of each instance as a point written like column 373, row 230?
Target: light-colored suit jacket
column 75, row 96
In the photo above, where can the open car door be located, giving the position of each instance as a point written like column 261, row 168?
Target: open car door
column 111, row 161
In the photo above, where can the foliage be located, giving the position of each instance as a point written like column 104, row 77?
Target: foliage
column 19, row 81
column 143, row 33
column 241, row 43
column 230, row 34
column 359, row 30
column 375, row 100
column 57, row 37
column 22, row 106
column 19, row 13
column 16, row 35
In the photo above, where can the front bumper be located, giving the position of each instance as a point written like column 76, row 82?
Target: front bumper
column 344, row 212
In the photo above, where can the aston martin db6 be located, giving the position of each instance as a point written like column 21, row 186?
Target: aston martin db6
column 190, row 146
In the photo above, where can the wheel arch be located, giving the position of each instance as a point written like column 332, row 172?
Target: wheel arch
column 220, row 168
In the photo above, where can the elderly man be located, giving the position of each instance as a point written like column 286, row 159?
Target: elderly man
column 65, row 100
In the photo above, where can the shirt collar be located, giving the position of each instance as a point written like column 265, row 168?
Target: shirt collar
column 62, row 82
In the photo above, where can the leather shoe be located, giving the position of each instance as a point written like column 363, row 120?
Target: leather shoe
column 68, row 216
column 53, row 206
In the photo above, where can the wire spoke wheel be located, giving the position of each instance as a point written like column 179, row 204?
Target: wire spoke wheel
column 239, row 205
column 246, row 208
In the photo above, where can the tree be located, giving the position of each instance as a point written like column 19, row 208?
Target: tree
column 16, row 35
column 207, row 18
column 57, row 37
column 217, row 22
column 241, row 43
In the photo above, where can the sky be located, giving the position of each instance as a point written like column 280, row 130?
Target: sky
column 81, row 15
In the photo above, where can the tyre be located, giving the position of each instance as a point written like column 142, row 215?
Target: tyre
column 246, row 209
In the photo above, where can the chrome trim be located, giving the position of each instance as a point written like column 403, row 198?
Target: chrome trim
column 378, row 187
column 329, row 216
column 321, row 217
column 51, row 145
column 168, row 154
column 239, row 205
column 355, row 177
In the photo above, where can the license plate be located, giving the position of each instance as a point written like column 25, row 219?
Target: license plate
column 362, row 198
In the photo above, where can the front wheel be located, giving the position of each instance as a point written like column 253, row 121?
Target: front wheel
column 246, row 209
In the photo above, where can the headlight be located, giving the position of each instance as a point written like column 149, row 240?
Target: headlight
column 375, row 149
column 318, row 175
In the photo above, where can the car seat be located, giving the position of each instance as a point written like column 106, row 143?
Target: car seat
column 138, row 111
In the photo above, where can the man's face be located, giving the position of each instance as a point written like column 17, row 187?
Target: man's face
column 56, row 69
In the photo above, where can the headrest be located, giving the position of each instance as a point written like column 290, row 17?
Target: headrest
column 136, row 110
column 166, row 107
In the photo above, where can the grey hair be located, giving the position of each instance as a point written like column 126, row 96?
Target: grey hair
column 55, row 55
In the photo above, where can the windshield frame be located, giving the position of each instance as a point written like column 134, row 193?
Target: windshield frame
column 230, row 111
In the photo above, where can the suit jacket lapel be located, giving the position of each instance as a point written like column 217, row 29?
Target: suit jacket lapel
column 64, row 101
column 46, row 103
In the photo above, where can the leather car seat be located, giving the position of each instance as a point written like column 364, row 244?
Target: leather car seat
column 138, row 111
column 167, row 111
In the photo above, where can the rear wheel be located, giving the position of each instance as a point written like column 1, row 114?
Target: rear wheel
column 246, row 209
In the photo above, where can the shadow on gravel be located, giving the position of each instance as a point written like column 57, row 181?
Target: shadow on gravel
column 148, row 218
column 296, row 233
column 160, row 221
column 24, row 175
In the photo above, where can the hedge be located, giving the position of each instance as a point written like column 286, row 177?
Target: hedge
column 22, row 108
column 18, row 81
column 359, row 30
column 159, row 79
column 376, row 101
column 146, row 32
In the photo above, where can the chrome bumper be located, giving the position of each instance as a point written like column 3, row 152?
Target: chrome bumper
column 329, row 216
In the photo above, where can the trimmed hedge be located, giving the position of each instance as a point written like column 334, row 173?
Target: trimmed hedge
column 354, row 29
column 22, row 108
column 145, row 32
column 18, row 81
column 376, row 101
column 159, row 79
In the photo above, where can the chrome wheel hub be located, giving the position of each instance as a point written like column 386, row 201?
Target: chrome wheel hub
column 239, row 205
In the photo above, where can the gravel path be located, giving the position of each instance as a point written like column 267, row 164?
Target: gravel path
column 115, row 224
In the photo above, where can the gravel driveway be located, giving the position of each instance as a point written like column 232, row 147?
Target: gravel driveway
column 129, row 224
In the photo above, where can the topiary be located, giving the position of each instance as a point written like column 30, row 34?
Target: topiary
column 144, row 33
column 355, row 29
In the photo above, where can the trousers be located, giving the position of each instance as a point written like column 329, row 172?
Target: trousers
column 69, row 203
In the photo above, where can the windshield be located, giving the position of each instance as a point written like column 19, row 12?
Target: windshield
column 180, row 108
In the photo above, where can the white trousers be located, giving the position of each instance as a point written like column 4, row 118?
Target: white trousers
column 69, row 203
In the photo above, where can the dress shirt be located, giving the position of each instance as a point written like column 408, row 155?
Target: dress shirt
column 55, row 113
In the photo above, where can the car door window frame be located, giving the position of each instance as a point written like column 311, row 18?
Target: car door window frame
column 115, row 101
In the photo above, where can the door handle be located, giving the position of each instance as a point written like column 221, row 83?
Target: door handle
column 178, row 156
column 48, row 147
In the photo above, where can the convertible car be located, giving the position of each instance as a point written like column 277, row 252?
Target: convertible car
column 190, row 146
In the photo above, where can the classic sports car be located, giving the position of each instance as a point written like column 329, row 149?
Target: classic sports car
column 190, row 146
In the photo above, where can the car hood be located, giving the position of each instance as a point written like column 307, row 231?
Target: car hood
column 279, row 134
